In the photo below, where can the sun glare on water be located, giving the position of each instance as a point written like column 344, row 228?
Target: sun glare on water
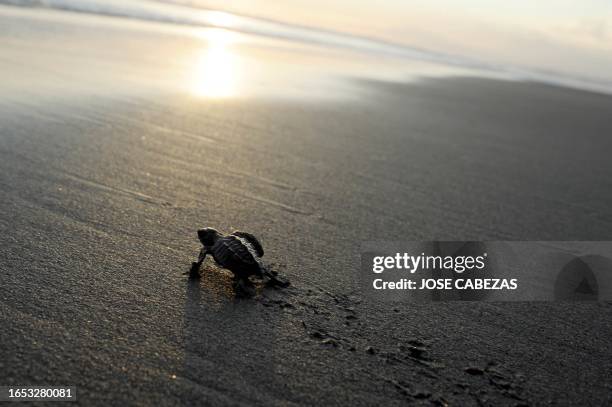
column 217, row 70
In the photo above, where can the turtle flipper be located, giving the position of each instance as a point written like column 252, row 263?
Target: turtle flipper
column 273, row 279
column 243, row 287
column 194, row 272
column 252, row 240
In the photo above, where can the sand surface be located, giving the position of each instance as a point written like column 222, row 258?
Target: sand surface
column 106, row 173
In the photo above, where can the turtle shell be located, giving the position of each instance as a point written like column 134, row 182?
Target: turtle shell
column 237, row 255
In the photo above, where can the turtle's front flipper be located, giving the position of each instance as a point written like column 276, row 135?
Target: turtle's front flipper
column 194, row 272
column 252, row 240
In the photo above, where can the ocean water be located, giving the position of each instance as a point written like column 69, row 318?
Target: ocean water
column 190, row 14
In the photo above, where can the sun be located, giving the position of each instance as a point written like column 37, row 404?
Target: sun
column 217, row 70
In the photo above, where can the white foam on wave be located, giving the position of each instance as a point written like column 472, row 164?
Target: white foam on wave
column 173, row 12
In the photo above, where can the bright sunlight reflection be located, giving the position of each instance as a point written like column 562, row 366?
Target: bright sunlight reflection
column 217, row 68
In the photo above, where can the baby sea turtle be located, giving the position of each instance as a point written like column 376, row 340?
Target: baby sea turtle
column 239, row 252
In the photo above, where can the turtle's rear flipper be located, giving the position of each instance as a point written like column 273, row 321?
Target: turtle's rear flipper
column 274, row 280
column 244, row 288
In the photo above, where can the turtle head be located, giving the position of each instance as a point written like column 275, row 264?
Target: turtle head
column 208, row 236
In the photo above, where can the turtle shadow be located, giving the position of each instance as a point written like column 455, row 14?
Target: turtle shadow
column 227, row 338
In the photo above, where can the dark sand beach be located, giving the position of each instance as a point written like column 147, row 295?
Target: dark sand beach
column 107, row 170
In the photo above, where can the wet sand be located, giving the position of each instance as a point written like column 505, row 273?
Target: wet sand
column 106, row 175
